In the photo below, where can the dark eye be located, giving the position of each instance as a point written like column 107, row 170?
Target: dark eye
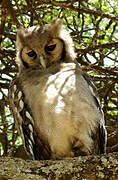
column 50, row 47
column 32, row 54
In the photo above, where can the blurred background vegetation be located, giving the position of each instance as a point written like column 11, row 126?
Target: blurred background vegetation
column 93, row 25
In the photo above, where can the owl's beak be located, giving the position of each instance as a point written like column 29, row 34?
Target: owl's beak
column 43, row 61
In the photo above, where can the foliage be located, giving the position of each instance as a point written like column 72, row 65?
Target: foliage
column 93, row 27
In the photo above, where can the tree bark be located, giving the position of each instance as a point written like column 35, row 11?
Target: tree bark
column 103, row 167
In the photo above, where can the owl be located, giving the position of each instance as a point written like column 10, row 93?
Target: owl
column 54, row 103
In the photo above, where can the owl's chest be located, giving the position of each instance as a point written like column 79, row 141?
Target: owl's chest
column 51, row 102
column 52, row 91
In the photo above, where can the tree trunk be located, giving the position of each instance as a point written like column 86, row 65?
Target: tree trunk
column 83, row 168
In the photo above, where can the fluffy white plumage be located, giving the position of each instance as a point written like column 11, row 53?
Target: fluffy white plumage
column 54, row 103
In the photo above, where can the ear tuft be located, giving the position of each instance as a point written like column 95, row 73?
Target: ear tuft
column 56, row 22
column 55, row 27
column 21, row 32
column 20, row 37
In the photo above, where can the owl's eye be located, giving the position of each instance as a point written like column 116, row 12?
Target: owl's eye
column 49, row 48
column 32, row 54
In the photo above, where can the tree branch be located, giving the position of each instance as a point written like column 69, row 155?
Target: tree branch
column 68, row 5
column 100, row 46
column 88, row 167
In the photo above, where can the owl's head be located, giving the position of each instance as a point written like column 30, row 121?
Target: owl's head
column 42, row 46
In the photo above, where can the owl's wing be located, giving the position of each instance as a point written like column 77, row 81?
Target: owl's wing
column 24, row 121
column 101, row 138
